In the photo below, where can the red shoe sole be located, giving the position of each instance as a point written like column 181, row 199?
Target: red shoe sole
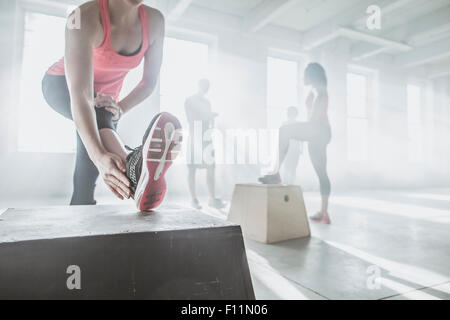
column 159, row 151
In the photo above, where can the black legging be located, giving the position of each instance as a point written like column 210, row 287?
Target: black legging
column 318, row 137
column 56, row 93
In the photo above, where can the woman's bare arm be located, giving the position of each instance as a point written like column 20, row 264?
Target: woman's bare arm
column 80, row 80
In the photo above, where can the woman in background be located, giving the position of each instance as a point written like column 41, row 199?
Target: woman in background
column 316, row 131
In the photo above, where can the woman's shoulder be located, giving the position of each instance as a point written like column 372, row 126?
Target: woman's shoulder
column 156, row 23
column 154, row 15
column 86, row 18
column 89, row 15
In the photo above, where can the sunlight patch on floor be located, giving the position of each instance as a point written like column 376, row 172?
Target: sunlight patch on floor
column 428, row 196
column 271, row 278
column 393, row 208
column 417, row 275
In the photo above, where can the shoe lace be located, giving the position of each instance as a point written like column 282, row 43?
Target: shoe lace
column 133, row 149
column 132, row 160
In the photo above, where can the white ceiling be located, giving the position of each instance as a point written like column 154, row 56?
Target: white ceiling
column 235, row 7
column 308, row 14
column 410, row 28
column 416, row 33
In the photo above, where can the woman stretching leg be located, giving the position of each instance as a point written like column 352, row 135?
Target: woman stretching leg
column 316, row 131
column 114, row 37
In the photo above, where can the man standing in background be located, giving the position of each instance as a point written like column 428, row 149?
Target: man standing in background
column 199, row 115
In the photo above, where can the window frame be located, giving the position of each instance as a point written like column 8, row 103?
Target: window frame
column 426, row 120
column 49, row 10
column 23, row 7
column 193, row 36
column 371, row 112
column 290, row 56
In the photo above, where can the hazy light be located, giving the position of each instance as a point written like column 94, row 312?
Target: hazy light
column 184, row 64
column 271, row 278
column 443, row 288
column 402, row 271
column 415, row 124
column 410, row 293
column 40, row 128
column 398, row 209
column 282, row 89
column 429, row 196
column 357, row 123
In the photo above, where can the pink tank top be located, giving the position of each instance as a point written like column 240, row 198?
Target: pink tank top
column 110, row 67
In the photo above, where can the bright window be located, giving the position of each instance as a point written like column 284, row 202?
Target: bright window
column 185, row 63
column 415, row 123
column 40, row 128
column 357, row 122
column 282, row 89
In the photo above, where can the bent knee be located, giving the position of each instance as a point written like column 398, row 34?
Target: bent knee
column 105, row 119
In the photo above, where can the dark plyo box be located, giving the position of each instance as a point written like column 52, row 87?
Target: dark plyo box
column 113, row 252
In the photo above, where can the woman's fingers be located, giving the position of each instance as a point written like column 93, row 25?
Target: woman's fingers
column 104, row 104
column 110, row 108
column 113, row 190
column 113, row 110
column 104, row 101
column 121, row 177
column 120, row 186
column 119, row 163
column 110, row 165
column 104, row 98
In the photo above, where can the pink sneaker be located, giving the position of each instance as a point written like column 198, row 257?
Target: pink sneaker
column 320, row 217
column 147, row 164
column 325, row 218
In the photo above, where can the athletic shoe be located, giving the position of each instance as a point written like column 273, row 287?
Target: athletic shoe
column 196, row 204
column 147, row 164
column 325, row 219
column 317, row 217
column 270, row 179
column 320, row 217
column 216, row 203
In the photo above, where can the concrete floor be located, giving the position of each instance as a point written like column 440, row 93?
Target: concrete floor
column 381, row 245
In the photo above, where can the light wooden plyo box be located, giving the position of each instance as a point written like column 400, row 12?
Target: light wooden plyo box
column 269, row 213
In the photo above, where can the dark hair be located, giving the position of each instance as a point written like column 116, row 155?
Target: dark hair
column 316, row 73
